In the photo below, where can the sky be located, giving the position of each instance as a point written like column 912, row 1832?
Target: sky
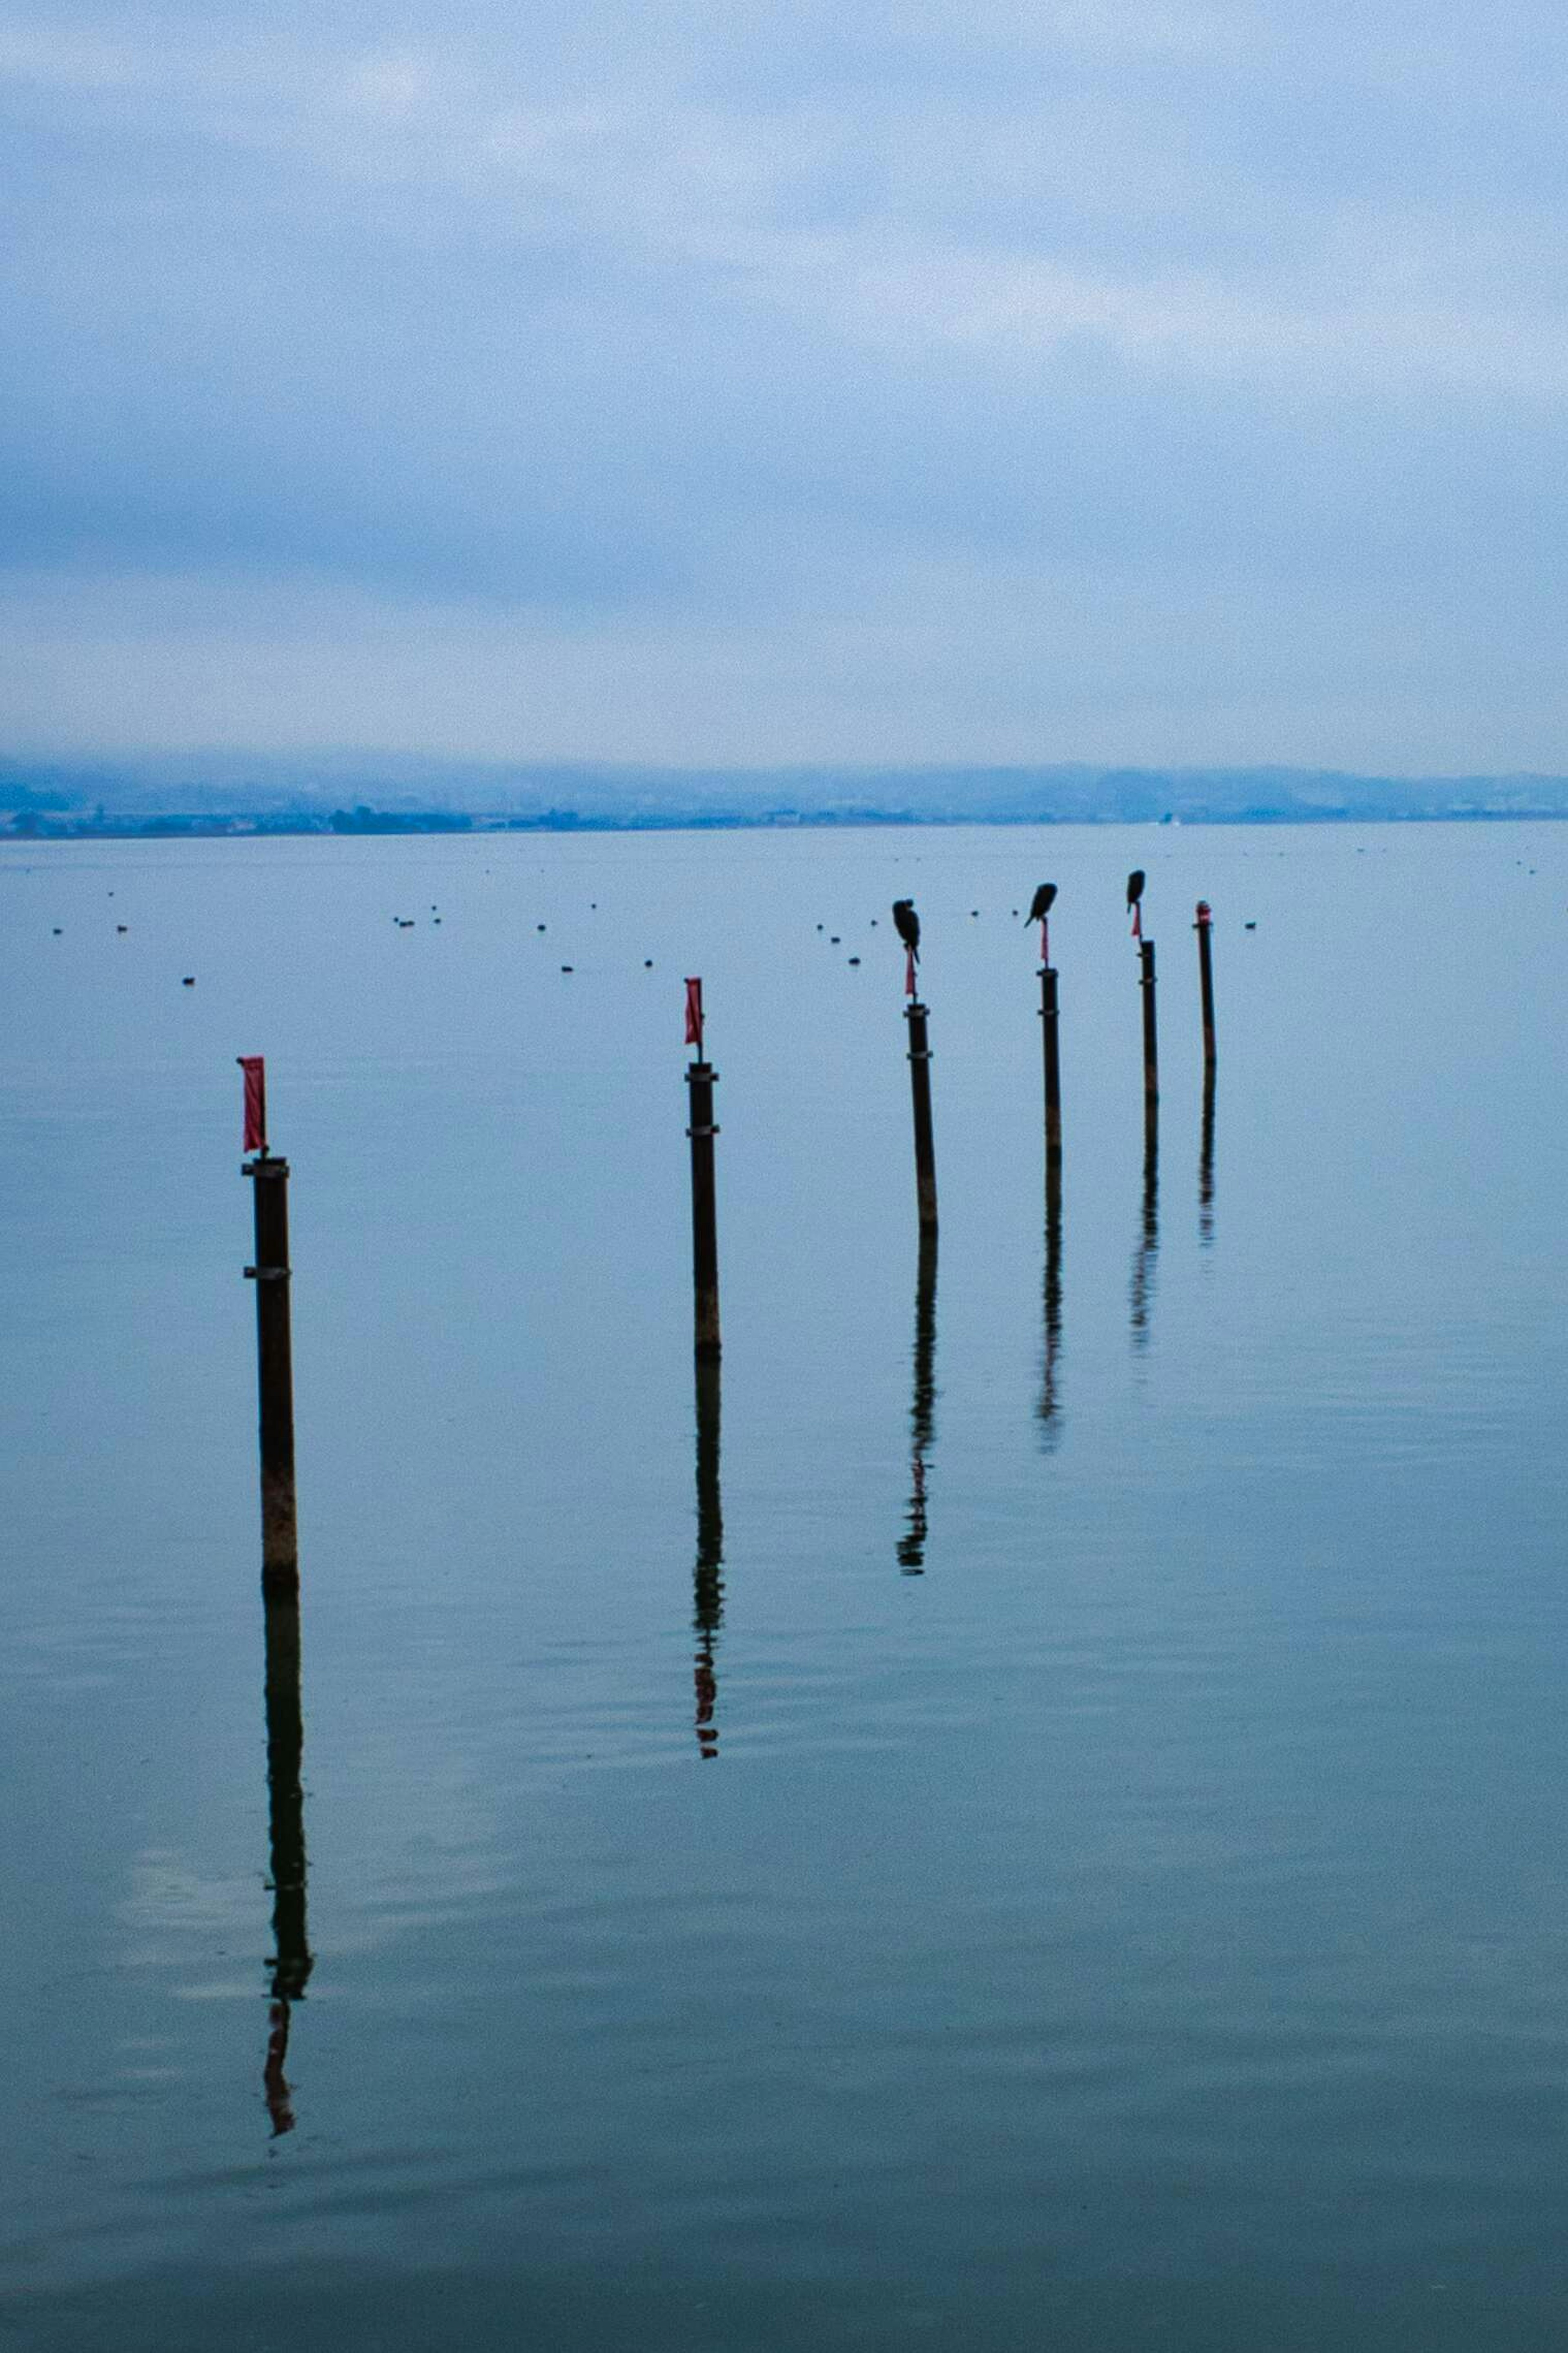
column 886, row 381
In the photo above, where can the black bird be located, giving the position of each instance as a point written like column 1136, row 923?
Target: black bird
column 907, row 924
column 1040, row 905
column 1135, row 886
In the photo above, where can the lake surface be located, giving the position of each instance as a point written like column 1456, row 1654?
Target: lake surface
column 1029, row 1816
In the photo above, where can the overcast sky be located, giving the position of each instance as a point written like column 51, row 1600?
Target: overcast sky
column 887, row 380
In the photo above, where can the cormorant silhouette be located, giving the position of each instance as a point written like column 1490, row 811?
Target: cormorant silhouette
column 907, row 923
column 1040, row 905
column 1135, row 886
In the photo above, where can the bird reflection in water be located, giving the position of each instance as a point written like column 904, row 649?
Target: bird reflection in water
column 1205, row 1165
column 1141, row 1290
column 708, row 1581
column 1050, row 1404
column 290, row 1962
column 922, row 1411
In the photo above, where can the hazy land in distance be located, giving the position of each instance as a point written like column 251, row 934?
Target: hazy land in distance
column 229, row 794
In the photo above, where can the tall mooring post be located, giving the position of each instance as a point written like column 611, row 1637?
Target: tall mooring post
column 1204, row 926
column 700, row 1077
column 917, row 1016
column 274, row 1343
column 1052, row 1051
column 1151, row 1035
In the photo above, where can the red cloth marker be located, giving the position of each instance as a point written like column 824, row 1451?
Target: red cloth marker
column 254, row 1069
column 1137, row 919
column 694, row 1016
column 909, row 972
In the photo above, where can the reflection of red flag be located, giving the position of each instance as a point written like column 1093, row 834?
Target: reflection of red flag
column 694, row 1014
column 254, row 1069
column 909, row 972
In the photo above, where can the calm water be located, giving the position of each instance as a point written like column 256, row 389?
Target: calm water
column 1034, row 1820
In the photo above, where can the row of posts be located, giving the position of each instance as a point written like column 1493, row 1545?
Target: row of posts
column 269, row 1180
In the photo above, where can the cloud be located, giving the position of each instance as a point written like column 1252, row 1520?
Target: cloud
column 697, row 335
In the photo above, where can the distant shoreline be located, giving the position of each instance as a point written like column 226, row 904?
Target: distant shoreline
column 32, row 827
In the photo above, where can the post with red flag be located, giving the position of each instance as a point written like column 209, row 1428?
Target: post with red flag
column 274, row 1346
column 1204, row 926
column 700, row 1077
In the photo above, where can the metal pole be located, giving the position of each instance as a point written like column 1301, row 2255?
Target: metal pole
column 1151, row 1042
column 700, row 1077
column 1205, row 929
column 915, row 1014
column 1053, row 1068
column 275, row 1373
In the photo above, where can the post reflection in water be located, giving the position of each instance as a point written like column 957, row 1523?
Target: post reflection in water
column 291, row 1961
column 1140, row 1291
column 922, row 1411
column 707, row 1582
column 1206, row 1164
column 1051, row 1405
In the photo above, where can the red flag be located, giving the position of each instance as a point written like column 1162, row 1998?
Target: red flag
column 1137, row 919
column 694, row 1014
column 909, row 972
column 254, row 1069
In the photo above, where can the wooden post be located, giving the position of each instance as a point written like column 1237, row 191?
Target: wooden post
column 1053, row 1070
column 700, row 1077
column 1204, row 927
column 1151, row 1043
column 916, row 1015
column 274, row 1372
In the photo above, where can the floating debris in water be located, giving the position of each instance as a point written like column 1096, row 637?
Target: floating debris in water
column 648, row 963
column 122, row 927
column 854, row 959
column 1249, row 927
column 566, row 967
column 189, row 981
column 57, row 931
column 833, row 941
column 539, row 927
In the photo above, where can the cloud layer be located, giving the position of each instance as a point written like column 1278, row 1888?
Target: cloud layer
column 1171, row 382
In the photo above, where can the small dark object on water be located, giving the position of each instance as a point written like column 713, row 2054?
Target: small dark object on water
column 1249, row 927
column 819, row 927
column 833, row 940
column 57, row 931
column 907, row 924
column 539, row 927
column 122, row 927
column 974, row 911
column 566, row 967
column 1040, row 905
column 648, row 963
column 189, row 981
column 854, row 959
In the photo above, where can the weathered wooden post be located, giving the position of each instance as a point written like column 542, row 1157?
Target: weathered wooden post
column 700, row 1077
column 274, row 1346
column 1204, row 927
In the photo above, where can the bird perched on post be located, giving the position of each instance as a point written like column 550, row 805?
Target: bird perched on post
column 1135, row 900
column 1040, row 907
column 907, row 924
